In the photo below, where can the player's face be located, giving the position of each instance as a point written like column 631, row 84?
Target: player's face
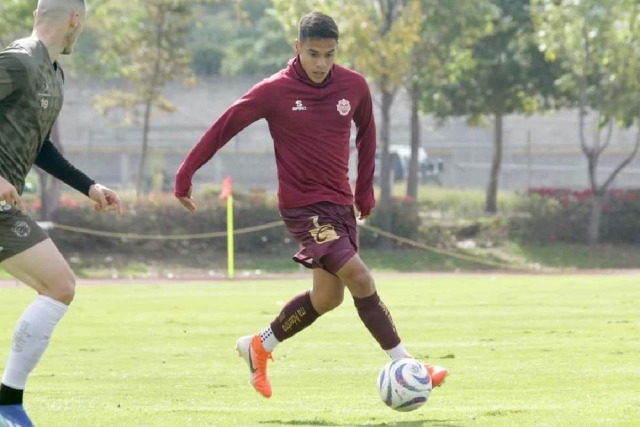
column 317, row 57
column 75, row 28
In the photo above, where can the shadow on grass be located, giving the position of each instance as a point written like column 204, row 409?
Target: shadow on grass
column 323, row 423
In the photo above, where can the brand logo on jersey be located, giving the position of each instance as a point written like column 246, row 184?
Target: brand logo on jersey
column 323, row 233
column 21, row 229
column 298, row 107
column 44, row 102
column 344, row 107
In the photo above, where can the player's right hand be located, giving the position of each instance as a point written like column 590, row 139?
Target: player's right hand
column 9, row 194
column 187, row 201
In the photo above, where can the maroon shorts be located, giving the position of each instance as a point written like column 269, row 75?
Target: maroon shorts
column 328, row 234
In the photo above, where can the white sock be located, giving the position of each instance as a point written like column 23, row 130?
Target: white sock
column 31, row 338
column 269, row 341
column 398, row 352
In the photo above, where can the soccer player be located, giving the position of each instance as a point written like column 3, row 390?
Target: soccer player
column 31, row 94
column 309, row 107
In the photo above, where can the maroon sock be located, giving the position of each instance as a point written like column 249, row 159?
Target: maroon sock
column 296, row 315
column 377, row 319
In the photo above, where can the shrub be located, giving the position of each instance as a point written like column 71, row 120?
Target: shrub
column 548, row 215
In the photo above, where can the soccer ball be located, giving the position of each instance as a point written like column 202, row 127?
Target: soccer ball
column 404, row 384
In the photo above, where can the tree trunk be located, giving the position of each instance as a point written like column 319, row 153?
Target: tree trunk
column 145, row 145
column 150, row 97
column 491, row 205
column 597, row 202
column 412, row 180
column 385, row 167
column 50, row 187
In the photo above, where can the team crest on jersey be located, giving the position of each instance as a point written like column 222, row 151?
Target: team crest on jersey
column 344, row 107
column 21, row 229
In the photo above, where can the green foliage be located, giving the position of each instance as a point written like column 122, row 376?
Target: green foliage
column 16, row 20
column 261, row 49
column 165, row 216
column 239, row 38
column 502, row 73
column 405, row 222
column 599, row 41
column 537, row 219
column 147, row 42
column 559, row 215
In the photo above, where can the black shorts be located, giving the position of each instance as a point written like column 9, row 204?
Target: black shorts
column 18, row 232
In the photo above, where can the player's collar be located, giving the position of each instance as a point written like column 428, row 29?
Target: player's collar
column 296, row 67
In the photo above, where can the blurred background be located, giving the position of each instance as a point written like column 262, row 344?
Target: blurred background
column 508, row 131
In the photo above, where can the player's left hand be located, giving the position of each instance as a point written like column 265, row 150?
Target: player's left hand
column 187, row 201
column 105, row 199
column 362, row 215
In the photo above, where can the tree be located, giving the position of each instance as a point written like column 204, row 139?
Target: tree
column 504, row 73
column 146, row 40
column 448, row 27
column 262, row 52
column 378, row 37
column 599, row 41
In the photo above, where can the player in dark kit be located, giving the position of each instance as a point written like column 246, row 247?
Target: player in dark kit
column 309, row 107
column 31, row 95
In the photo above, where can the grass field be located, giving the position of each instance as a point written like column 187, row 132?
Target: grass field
column 523, row 351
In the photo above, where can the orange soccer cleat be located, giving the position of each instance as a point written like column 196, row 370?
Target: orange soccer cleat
column 438, row 374
column 251, row 350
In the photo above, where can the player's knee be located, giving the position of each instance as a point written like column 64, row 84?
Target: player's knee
column 360, row 282
column 335, row 300
column 63, row 290
column 326, row 302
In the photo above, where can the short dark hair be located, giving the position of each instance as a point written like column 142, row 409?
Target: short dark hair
column 316, row 25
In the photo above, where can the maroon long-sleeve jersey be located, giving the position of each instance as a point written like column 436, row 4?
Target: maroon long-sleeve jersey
column 311, row 126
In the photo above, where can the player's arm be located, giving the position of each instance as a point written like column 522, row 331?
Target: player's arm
column 248, row 109
column 51, row 160
column 366, row 145
column 12, row 74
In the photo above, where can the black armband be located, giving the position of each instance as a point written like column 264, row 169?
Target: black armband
column 53, row 162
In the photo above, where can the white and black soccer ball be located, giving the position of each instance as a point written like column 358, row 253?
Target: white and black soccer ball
column 404, row 384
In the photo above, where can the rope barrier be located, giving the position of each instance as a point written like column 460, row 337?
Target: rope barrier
column 246, row 230
column 439, row 251
column 133, row 236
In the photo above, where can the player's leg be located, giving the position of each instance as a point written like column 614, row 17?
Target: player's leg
column 302, row 310
column 299, row 313
column 372, row 311
column 43, row 268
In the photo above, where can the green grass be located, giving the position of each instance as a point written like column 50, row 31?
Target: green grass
column 409, row 260
column 523, row 351
column 579, row 256
column 557, row 256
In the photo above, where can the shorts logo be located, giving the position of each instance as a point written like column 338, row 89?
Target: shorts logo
column 323, row 233
column 343, row 107
column 21, row 229
column 5, row 208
